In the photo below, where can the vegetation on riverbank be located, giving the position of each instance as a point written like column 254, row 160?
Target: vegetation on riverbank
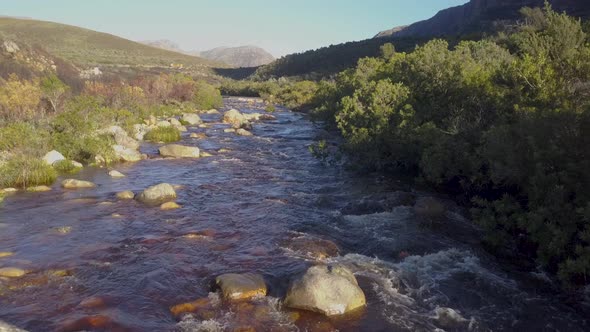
column 501, row 123
column 42, row 113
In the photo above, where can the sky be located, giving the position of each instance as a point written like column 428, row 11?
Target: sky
column 279, row 26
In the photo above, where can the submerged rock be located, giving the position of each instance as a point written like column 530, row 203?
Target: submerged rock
column 125, row 195
column 5, row 254
column 77, row 184
column 52, row 157
column 312, row 247
column 241, row 286
column 39, row 189
column 157, row 194
column 329, row 290
column 169, row 206
column 179, row 151
column 198, row 135
column 5, row 327
column 12, row 272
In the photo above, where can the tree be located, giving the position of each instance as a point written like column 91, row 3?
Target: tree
column 53, row 90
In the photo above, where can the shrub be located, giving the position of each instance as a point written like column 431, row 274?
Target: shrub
column 66, row 167
column 207, row 96
column 19, row 99
column 24, row 138
column 270, row 108
column 163, row 134
column 25, row 171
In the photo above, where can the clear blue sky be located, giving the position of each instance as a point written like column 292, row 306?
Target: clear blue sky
column 280, row 26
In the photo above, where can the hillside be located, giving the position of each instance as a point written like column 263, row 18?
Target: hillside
column 87, row 48
column 478, row 16
column 242, row 56
column 453, row 23
column 164, row 44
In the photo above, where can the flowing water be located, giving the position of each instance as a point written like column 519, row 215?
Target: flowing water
column 261, row 205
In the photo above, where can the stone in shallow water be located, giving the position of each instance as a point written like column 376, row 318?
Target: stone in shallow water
column 125, row 195
column 5, row 254
column 12, row 272
column 191, row 307
column 179, row 151
column 329, row 290
column 116, row 174
column 241, row 286
column 157, row 194
column 312, row 247
column 39, row 189
column 243, row 132
column 170, row 206
column 77, row 184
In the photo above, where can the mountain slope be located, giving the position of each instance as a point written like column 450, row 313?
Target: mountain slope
column 242, row 56
column 91, row 48
column 480, row 15
column 164, row 44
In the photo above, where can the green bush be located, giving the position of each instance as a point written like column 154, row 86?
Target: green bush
column 270, row 108
column 65, row 167
column 25, row 171
column 207, row 96
column 163, row 134
column 24, row 137
column 507, row 130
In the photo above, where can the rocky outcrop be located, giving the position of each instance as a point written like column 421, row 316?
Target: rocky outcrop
column 329, row 290
column 158, row 194
column 179, row 151
column 241, row 286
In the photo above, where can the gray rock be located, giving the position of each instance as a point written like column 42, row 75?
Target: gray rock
column 192, row 119
column 179, row 151
column 329, row 290
column 158, row 194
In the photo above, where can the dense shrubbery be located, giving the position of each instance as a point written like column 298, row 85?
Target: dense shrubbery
column 163, row 134
column 296, row 95
column 39, row 114
column 507, row 128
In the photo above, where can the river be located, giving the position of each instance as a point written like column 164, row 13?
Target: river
column 100, row 264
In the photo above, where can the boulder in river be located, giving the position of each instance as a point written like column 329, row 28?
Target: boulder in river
column 179, row 151
column 191, row 119
column 236, row 119
column 52, row 157
column 429, row 207
column 157, row 194
column 77, row 184
column 328, row 289
column 241, row 286
column 123, row 195
column 5, row 254
column 127, row 154
column 243, row 132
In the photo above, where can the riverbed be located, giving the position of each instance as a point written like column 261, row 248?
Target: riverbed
column 258, row 204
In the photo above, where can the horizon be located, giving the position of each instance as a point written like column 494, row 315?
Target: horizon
column 275, row 27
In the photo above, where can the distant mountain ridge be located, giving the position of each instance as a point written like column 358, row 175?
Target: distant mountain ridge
column 479, row 15
column 241, row 56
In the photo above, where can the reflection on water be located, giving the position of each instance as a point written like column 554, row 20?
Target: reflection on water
column 263, row 204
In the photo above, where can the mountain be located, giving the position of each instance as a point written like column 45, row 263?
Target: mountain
column 164, row 44
column 479, row 16
column 86, row 48
column 242, row 56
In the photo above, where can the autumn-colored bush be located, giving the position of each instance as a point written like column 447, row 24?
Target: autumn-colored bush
column 19, row 99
